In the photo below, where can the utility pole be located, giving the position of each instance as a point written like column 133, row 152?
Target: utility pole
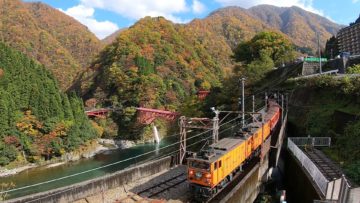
column 318, row 36
column 253, row 106
column 282, row 108
column 194, row 123
column 216, row 127
column 266, row 98
column 243, row 101
column 287, row 102
column 182, row 139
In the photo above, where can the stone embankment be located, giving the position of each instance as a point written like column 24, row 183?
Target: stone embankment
column 87, row 151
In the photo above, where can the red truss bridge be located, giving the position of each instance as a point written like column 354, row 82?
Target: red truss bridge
column 147, row 116
column 202, row 94
column 98, row 112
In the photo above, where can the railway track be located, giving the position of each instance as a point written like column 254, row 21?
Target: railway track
column 146, row 195
column 325, row 165
column 163, row 186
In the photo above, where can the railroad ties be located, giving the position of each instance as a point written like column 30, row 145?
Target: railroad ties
column 163, row 186
column 326, row 166
column 169, row 187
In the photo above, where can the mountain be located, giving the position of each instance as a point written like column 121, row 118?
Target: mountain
column 154, row 64
column 160, row 60
column 109, row 39
column 300, row 25
column 37, row 119
column 222, row 30
column 158, row 64
column 49, row 36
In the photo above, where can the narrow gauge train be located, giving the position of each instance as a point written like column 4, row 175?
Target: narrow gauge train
column 211, row 171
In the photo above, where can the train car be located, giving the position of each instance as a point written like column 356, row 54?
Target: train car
column 213, row 169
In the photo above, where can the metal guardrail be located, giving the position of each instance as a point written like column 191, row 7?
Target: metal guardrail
column 332, row 72
column 312, row 141
column 337, row 190
column 310, row 167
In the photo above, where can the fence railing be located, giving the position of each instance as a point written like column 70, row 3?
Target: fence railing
column 312, row 141
column 334, row 191
column 310, row 167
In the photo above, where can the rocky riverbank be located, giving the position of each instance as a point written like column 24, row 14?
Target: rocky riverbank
column 87, row 151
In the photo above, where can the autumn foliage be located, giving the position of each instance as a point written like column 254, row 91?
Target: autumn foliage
column 36, row 119
column 49, row 36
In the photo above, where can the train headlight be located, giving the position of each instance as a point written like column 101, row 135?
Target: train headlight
column 191, row 172
column 198, row 174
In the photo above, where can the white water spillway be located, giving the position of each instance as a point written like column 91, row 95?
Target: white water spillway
column 156, row 134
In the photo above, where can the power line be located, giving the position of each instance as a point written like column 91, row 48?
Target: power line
column 104, row 166
column 115, row 163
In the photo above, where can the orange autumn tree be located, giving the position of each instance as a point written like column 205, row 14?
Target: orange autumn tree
column 44, row 144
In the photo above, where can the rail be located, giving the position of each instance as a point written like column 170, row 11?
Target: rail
column 312, row 141
column 331, row 72
column 309, row 166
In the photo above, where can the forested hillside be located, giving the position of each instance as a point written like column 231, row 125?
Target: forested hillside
column 56, row 40
column 158, row 64
column 300, row 25
column 37, row 120
column 329, row 107
column 152, row 64
column 224, row 28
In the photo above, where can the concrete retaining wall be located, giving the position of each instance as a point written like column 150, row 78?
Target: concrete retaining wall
column 310, row 68
column 90, row 187
column 354, row 196
column 299, row 188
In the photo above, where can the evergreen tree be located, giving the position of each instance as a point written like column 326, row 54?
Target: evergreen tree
column 36, row 117
column 4, row 124
column 331, row 47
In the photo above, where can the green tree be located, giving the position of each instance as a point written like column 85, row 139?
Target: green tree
column 355, row 69
column 331, row 47
column 257, row 69
column 4, row 124
column 273, row 44
column 35, row 113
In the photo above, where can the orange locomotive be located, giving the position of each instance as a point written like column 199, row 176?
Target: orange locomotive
column 211, row 171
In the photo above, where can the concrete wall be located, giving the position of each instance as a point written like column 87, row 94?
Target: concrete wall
column 247, row 190
column 310, row 68
column 333, row 189
column 335, row 64
column 299, row 188
column 341, row 64
column 90, row 187
column 249, row 187
column 354, row 196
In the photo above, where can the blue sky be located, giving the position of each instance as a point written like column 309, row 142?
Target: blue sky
column 104, row 17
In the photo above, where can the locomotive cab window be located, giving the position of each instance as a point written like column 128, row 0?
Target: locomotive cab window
column 200, row 165
column 215, row 165
column 219, row 164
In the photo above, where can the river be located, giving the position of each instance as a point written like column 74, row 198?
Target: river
column 44, row 177
column 43, row 174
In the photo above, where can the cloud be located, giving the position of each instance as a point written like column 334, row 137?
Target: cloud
column 304, row 4
column 85, row 15
column 136, row 9
column 198, row 7
column 355, row 1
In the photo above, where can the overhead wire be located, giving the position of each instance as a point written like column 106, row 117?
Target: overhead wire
column 105, row 166
column 111, row 164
